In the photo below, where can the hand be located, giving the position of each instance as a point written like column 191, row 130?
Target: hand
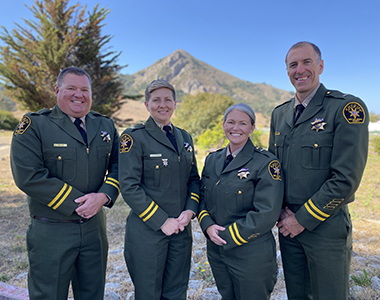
column 170, row 227
column 90, row 204
column 283, row 215
column 184, row 219
column 289, row 224
column 213, row 233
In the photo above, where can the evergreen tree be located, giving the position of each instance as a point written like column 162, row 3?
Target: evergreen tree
column 59, row 37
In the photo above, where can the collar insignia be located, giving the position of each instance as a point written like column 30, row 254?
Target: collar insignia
column 106, row 137
column 188, row 147
column 318, row 124
column 243, row 173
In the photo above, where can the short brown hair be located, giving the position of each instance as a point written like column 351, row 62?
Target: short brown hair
column 157, row 84
column 71, row 70
column 302, row 44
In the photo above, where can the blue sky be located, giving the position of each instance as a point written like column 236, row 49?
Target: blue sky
column 248, row 39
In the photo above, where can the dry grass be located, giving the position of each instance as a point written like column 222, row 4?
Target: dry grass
column 14, row 218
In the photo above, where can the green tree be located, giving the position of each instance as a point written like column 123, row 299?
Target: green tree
column 197, row 113
column 58, row 37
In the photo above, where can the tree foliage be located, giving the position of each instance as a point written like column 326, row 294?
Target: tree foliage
column 197, row 113
column 59, row 36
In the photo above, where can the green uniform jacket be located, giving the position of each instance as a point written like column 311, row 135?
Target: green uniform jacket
column 155, row 180
column 323, row 155
column 53, row 166
column 245, row 197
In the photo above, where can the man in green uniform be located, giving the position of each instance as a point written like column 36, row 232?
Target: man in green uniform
column 321, row 139
column 65, row 160
column 159, row 180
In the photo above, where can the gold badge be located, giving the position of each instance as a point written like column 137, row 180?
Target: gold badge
column 243, row 173
column 126, row 143
column 354, row 113
column 23, row 125
column 274, row 170
column 318, row 124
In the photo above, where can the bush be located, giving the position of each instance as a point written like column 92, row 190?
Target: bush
column 376, row 144
column 7, row 120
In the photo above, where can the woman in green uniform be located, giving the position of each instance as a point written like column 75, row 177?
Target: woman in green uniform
column 159, row 180
column 241, row 196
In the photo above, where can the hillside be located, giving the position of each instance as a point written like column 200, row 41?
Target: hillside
column 190, row 76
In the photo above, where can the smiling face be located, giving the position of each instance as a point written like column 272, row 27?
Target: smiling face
column 74, row 95
column 304, row 67
column 161, row 105
column 237, row 128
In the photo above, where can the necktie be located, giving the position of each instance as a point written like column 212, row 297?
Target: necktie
column 170, row 136
column 299, row 110
column 228, row 160
column 83, row 133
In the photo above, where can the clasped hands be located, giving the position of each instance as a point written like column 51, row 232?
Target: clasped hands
column 175, row 225
column 90, row 204
column 287, row 223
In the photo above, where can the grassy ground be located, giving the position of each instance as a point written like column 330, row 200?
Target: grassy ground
column 14, row 219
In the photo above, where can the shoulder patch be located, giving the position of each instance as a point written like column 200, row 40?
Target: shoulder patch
column 126, row 143
column 23, row 125
column 274, row 169
column 354, row 113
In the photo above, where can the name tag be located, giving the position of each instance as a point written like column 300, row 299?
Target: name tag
column 60, row 145
column 155, row 155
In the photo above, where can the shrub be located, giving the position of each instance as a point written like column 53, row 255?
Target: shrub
column 7, row 120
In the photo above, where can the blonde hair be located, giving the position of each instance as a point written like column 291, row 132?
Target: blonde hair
column 158, row 84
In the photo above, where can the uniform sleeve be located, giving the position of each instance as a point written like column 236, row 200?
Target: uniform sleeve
column 267, row 200
column 204, row 218
column 31, row 176
column 130, row 175
column 348, row 159
column 271, row 147
column 193, row 185
column 111, row 184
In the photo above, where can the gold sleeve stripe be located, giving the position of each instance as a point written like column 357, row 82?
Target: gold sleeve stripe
column 63, row 198
column 151, row 213
column 195, row 199
column 58, row 195
column 233, row 236
column 202, row 214
column 113, row 179
column 238, row 234
column 313, row 213
column 147, row 210
column 115, row 185
column 195, row 195
column 317, row 210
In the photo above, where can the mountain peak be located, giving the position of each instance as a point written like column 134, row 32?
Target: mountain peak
column 190, row 76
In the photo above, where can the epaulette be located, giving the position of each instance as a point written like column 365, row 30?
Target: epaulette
column 137, row 127
column 286, row 102
column 42, row 111
column 338, row 95
column 261, row 151
column 97, row 114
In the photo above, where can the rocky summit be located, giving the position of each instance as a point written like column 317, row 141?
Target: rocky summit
column 190, row 76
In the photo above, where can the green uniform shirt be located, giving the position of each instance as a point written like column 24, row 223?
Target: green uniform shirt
column 53, row 166
column 245, row 197
column 156, row 181
column 323, row 155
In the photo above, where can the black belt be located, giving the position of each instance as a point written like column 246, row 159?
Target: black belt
column 77, row 221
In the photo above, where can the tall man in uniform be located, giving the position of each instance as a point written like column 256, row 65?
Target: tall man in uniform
column 321, row 139
column 66, row 160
